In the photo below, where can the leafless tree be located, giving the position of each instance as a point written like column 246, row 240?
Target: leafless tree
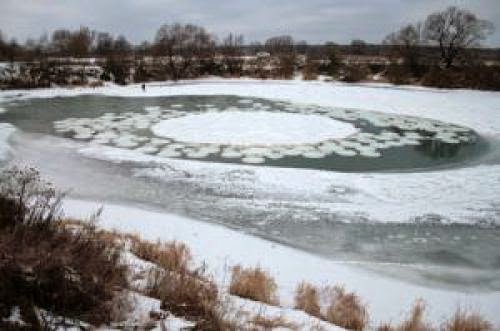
column 104, row 44
column 60, row 41
column 122, row 46
column 279, row 45
column 231, row 49
column 454, row 30
column 283, row 48
column 81, row 41
column 76, row 43
column 183, row 46
column 407, row 43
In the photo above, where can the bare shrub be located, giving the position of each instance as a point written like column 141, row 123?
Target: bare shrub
column 475, row 77
column 346, row 310
column 45, row 264
column 27, row 201
column 310, row 70
column 398, row 74
column 254, row 284
column 464, row 321
column 354, row 73
column 307, row 299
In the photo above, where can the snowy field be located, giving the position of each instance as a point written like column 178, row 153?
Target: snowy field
column 468, row 194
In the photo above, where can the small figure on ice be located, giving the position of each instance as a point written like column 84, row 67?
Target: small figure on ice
column 143, row 87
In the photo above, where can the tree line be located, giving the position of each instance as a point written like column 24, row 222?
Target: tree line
column 445, row 40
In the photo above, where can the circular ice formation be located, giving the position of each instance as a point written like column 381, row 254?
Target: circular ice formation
column 252, row 128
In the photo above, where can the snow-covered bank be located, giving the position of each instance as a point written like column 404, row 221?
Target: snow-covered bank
column 221, row 248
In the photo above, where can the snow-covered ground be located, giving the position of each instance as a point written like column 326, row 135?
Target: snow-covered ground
column 468, row 194
column 221, row 248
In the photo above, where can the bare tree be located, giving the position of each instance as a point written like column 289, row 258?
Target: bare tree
column 60, row 41
column 122, row 46
column 454, row 30
column 76, row 43
column 283, row 48
column 104, row 44
column 183, row 46
column 231, row 49
column 407, row 43
column 81, row 41
column 279, row 45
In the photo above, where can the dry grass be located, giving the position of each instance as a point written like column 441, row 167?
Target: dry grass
column 414, row 322
column 346, row 310
column 464, row 321
column 172, row 256
column 254, row 284
column 267, row 323
column 307, row 299
column 182, row 289
column 69, row 271
column 461, row 321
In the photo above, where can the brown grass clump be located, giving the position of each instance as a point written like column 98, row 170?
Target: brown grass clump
column 307, row 299
column 346, row 310
column 463, row 321
column 254, row 284
column 266, row 323
column 415, row 321
column 44, row 264
column 183, row 290
column 171, row 256
column 386, row 327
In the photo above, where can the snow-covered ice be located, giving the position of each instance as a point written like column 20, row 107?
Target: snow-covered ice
column 253, row 128
column 6, row 131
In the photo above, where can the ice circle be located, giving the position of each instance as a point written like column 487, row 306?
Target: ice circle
column 255, row 128
column 259, row 131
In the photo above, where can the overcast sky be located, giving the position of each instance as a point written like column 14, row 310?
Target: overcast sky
column 316, row 21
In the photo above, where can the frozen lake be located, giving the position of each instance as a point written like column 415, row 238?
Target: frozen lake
column 146, row 152
column 252, row 130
